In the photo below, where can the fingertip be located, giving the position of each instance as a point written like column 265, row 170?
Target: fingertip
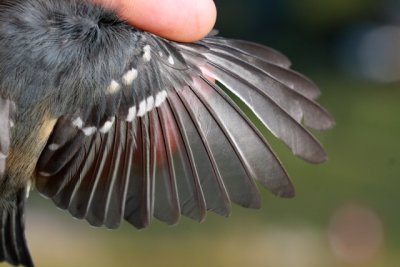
column 207, row 13
column 190, row 21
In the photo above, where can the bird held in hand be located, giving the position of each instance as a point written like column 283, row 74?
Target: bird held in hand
column 114, row 123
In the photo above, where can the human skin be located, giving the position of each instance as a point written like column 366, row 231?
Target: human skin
column 178, row 20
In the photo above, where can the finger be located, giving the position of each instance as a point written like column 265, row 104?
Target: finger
column 179, row 20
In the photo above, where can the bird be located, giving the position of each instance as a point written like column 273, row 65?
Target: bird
column 114, row 123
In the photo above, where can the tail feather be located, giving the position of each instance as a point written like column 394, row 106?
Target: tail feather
column 13, row 247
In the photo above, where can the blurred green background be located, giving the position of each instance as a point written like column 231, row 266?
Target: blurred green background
column 346, row 210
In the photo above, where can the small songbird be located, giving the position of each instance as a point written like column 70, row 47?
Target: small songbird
column 114, row 123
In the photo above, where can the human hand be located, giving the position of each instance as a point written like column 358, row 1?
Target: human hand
column 178, row 20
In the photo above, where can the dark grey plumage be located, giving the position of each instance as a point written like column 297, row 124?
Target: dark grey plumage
column 114, row 123
column 13, row 247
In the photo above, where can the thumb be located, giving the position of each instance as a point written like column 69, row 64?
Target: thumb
column 178, row 20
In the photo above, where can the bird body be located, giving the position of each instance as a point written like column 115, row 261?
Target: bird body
column 114, row 123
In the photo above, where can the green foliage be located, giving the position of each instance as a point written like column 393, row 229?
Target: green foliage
column 322, row 15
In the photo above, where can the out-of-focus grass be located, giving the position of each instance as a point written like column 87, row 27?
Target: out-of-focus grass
column 363, row 167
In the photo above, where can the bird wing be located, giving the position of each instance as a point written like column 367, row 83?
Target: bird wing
column 179, row 133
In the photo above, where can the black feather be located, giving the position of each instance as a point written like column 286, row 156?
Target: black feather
column 13, row 247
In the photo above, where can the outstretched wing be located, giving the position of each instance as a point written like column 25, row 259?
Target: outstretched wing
column 170, row 136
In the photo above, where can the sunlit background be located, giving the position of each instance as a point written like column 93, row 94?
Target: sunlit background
column 346, row 212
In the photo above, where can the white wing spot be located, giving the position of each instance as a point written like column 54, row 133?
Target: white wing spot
column 142, row 108
column 131, row 114
column 160, row 54
column 88, row 131
column 130, row 76
column 147, row 53
column 54, row 146
column 107, row 125
column 171, row 60
column 113, row 87
column 149, row 103
column 45, row 174
column 160, row 98
column 78, row 122
column 28, row 189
